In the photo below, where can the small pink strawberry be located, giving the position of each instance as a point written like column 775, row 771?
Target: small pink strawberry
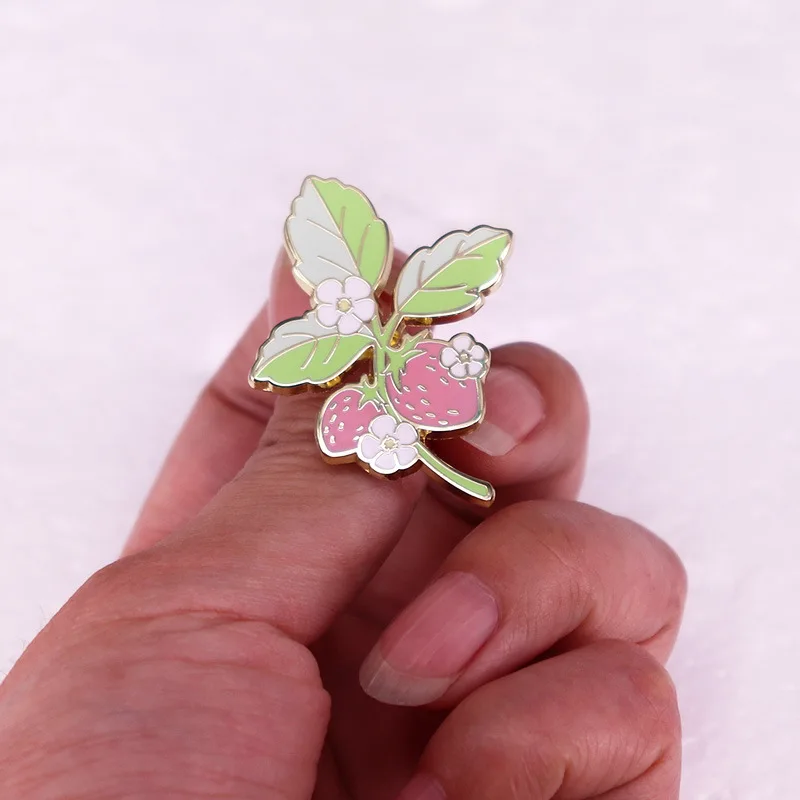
column 344, row 418
column 439, row 387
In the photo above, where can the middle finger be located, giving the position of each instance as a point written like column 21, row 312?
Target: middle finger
column 533, row 576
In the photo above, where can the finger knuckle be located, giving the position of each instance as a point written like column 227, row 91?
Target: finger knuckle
column 126, row 603
column 650, row 686
column 236, row 397
column 548, row 536
column 677, row 576
column 101, row 592
column 615, row 578
column 293, row 422
column 667, row 568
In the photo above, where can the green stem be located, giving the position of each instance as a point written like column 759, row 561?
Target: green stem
column 384, row 336
column 378, row 331
column 379, row 363
column 478, row 490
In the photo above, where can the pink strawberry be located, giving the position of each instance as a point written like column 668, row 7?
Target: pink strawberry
column 343, row 419
column 439, row 388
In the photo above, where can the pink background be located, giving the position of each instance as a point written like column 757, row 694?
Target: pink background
column 647, row 156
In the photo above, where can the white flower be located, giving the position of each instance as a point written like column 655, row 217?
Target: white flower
column 464, row 357
column 389, row 445
column 344, row 305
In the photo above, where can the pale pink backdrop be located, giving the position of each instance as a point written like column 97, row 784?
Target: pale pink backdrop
column 645, row 154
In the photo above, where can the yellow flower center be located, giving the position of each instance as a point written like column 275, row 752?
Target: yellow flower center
column 389, row 443
column 463, row 358
column 344, row 304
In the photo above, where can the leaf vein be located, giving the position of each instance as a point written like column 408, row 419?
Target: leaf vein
column 304, row 365
column 316, row 224
column 360, row 253
column 465, row 286
column 334, row 264
column 299, row 335
column 333, row 349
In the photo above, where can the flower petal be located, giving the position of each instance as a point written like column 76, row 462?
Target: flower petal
column 356, row 288
column 406, row 456
column 477, row 353
column 327, row 315
column 462, row 342
column 364, row 309
column 386, row 462
column 458, row 370
column 329, row 291
column 475, row 368
column 381, row 426
column 406, row 433
column 448, row 357
column 348, row 323
column 368, row 447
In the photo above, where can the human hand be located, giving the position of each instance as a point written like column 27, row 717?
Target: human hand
column 220, row 657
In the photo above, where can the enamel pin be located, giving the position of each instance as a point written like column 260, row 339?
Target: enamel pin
column 408, row 388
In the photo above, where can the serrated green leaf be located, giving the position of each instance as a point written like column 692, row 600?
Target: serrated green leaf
column 301, row 351
column 334, row 232
column 451, row 277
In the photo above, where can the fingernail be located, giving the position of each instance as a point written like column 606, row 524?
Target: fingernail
column 423, row 651
column 423, row 787
column 514, row 407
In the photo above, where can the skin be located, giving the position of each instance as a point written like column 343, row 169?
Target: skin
column 219, row 656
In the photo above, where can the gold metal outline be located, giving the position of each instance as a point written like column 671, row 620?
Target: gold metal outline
column 295, row 258
column 425, row 434
column 428, row 322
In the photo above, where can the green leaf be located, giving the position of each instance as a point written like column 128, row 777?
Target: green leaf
column 301, row 351
column 451, row 277
column 334, row 232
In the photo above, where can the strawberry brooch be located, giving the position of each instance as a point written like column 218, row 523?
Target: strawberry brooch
column 407, row 387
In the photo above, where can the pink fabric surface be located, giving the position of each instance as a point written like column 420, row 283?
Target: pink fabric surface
column 646, row 157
